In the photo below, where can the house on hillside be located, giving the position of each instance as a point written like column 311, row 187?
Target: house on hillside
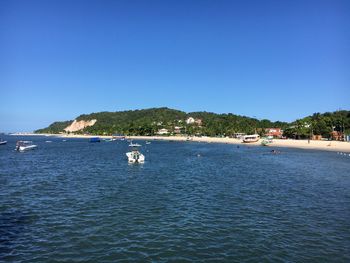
column 190, row 120
column 163, row 132
column 198, row 122
column 177, row 129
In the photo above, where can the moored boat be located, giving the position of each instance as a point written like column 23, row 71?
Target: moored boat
column 118, row 137
column 135, row 156
column 22, row 146
column 251, row 138
column 2, row 142
column 266, row 141
column 95, row 139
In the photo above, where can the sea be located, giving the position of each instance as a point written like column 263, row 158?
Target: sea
column 74, row 201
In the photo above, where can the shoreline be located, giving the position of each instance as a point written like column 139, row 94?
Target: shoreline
column 337, row 146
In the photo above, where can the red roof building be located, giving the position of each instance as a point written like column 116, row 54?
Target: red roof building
column 338, row 136
column 275, row 132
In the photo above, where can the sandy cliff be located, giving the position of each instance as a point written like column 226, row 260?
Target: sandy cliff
column 79, row 125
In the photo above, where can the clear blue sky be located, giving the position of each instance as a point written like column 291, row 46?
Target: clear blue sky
column 279, row 60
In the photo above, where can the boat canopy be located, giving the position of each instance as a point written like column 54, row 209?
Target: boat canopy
column 253, row 136
column 134, row 145
column 23, row 142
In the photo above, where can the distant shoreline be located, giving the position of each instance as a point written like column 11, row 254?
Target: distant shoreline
column 338, row 146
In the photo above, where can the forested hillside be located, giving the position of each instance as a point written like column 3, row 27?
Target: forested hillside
column 149, row 121
column 55, row 127
column 320, row 124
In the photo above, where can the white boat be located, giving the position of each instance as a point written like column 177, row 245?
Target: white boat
column 135, row 156
column 147, row 142
column 22, row 146
column 2, row 142
column 266, row 141
column 251, row 138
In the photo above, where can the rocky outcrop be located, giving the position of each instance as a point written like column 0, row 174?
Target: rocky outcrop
column 79, row 125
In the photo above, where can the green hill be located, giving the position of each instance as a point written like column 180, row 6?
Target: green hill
column 320, row 124
column 149, row 121
column 55, row 127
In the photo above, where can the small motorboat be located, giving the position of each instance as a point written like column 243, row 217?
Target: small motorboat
column 135, row 156
column 266, row 141
column 2, row 142
column 147, row 142
column 22, row 146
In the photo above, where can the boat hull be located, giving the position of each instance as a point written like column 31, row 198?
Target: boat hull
column 26, row 148
column 249, row 141
column 266, row 142
column 251, row 138
column 3, row 142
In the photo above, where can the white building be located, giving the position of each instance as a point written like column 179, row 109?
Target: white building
column 190, row 120
column 162, row 131
column 177, row 129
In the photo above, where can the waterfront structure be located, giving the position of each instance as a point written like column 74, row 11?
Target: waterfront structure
column 274, row 132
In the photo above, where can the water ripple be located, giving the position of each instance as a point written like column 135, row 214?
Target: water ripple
column 190, row 202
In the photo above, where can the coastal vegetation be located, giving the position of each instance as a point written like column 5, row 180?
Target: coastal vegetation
column 150, row 121
column 324, row 125
column 55, row 127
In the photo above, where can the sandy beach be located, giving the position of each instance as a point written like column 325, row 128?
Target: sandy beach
column 338, row 146
column 303, row 144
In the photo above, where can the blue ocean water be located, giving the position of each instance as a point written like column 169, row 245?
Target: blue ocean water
column 76, row 201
